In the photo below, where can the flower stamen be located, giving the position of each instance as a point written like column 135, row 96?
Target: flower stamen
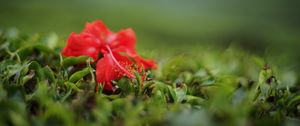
column 116, row 62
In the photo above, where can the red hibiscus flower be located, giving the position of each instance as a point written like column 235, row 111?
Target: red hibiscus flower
column 114, row 53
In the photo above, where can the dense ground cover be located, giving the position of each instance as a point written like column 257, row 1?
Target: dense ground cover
column 207, row 86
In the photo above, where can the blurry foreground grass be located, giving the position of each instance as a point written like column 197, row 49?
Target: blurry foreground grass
column 206, row 87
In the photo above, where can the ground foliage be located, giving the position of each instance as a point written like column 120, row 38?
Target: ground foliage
column 232, row 87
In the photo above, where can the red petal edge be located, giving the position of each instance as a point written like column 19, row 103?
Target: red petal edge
column 81, row 45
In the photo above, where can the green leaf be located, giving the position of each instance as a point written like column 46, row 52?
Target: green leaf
column 69, row 61
column 126, row 87
column 49, row 73
column 294, row 101
column 72, row 86
column 181, row 93
column 173, row 93
column 34, row 65
column 27, row 77
column 79, row 74
column 194, row 100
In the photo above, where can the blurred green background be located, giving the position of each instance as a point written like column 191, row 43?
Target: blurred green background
column 260, row 26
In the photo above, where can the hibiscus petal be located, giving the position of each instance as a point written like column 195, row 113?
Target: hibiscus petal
column 81, row 45
column 106, row 72
column 111, row 67
column 124, row 41
column 99, row 30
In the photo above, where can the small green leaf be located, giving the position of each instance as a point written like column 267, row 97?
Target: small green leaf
column 49, row 73
column 194, row 100
column 294, row 101
column 27, row 77
column 172, row 93
column 181, row 93
column 72, row 86
column 34, row 65
column 69, row 61
column 78, row 75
